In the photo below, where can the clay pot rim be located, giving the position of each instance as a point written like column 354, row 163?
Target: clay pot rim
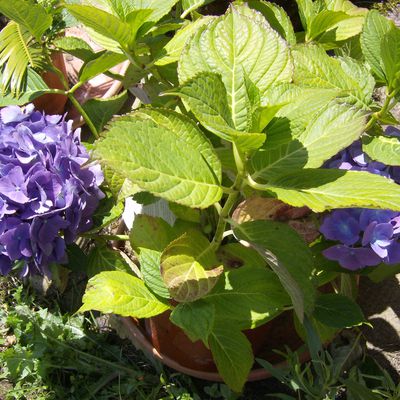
column 139, row 339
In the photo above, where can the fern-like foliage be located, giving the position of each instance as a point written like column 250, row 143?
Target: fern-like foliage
column 21, row 43
column 18, row 51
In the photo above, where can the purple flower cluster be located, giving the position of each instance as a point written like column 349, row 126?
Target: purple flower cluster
column 47, row 193
column 367, row 237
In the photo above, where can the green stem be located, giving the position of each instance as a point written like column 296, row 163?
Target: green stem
column 221, row 225
column 106, row 237
column 230, row 201
column 386, row 106
column 84, row 115
column 253, row 184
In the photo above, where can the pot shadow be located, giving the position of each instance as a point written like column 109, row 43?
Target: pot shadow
column 381, row 305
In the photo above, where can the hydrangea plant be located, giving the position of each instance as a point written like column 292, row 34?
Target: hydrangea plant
column 48, row 192
column 249, row 114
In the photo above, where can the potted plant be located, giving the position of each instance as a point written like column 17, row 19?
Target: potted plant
column 262, row 111
column 251, row 113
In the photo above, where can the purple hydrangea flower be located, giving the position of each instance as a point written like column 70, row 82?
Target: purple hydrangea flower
column 48, row 191
column 367, row 237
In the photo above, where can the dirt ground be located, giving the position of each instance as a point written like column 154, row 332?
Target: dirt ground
column 381, row 305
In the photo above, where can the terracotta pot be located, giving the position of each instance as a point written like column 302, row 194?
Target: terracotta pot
column 53, row 103
column 164, row 341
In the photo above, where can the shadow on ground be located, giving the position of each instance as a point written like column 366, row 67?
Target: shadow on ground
column 381, row 305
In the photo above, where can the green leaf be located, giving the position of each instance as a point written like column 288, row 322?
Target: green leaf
column 232, row 354
column 32, row 17
column 184, row 169
column 345, row 29
column 383, row 271
column 375, row 28
column 149, row 237
column 338, row 311
column 330, row 130
column 207, row 98
column 192, row 5
column 288, row 256
column 102, row 258
column 75, row 46
column 108, row 25
column 173, row 49
column 359, row 391
column 150, row 233
column 121, row 293
column 307, row 11
column 390, row 50
column 235, row 255
column 314, row 68
column 107, row 212
column 18, row 52
column 238, row 44
column 248, row 296
column 99, row 65
column 276, row 17
column 35, row 87
column 382, row 148
column 324, row 189
column 158, row 8
column 100, row 111
column 187, row 269
column 196, row 319
column 324, row 21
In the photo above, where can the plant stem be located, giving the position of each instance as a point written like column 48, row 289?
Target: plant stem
column 230, row 201
column 377, row 115
column 106, row 237
column 84, row 115
column 221, row 225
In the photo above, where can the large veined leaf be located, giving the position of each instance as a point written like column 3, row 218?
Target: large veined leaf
column 332, row 129
column 18, row 50
column 238, row 44
column 173, row 49
column 288, row 256
column 382, row 148
column 187, row 269
column 35, row 87
column 121, row 293
column 276, row 17
column 314, row 68
column 324, row 189
column 232, row 354
column 32, row 17
column 164, row 153
column 375, row 28
column 207, row 98
column 248, row 296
